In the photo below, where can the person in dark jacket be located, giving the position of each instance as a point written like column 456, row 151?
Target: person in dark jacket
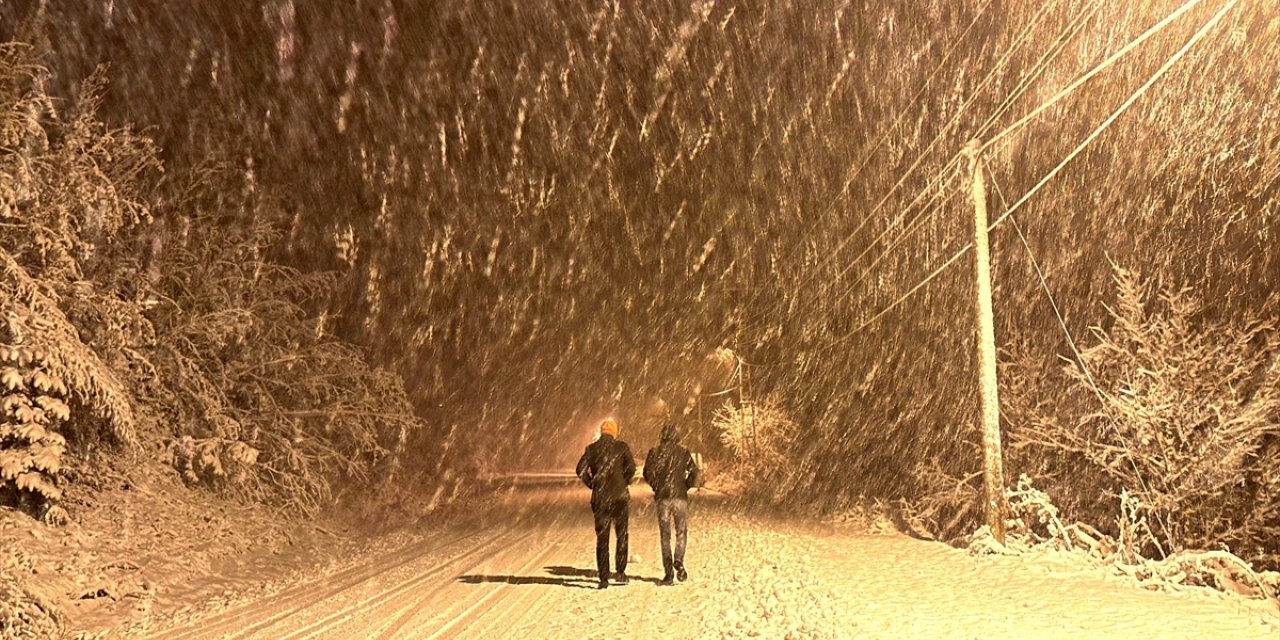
column 608, row 467
column 671, row 470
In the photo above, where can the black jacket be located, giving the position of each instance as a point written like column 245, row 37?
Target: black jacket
column 670, row 470
column 608, row 467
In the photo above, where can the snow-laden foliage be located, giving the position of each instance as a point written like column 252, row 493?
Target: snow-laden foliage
column 1180, row 412
column 25, row 614
column 67, row 184
column 31, row 447
column 1036, row 524
column 259, row 395
column 759, row 437
column 177, row 329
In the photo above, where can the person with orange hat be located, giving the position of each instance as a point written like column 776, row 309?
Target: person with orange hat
column 608, row 467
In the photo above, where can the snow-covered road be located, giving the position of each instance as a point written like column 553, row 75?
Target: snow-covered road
column 524, row 569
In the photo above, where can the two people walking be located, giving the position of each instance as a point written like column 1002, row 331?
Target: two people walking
column 608, row 468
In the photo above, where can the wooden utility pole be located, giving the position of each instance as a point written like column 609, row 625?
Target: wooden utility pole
column 993, row 457
column 744, row 401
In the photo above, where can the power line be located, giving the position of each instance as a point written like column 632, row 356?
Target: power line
column 914, row 99
column 1154, row 29
column 936, row 182
column 856, row 170
column 1073, row 29
column 1018, row 42
column 1044, row 284
column 1164, row 68
column 906, row 233
column 936, row 187
column 1008, row 55
column 1070, row 32
column 1098, row 68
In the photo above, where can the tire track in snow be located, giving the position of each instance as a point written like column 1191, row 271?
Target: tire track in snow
column 469, row 616
column 374, row 603
column 516, row 608
column 298, row 598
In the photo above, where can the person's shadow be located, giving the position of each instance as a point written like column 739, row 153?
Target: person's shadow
column 561, row 576
column 591, row 574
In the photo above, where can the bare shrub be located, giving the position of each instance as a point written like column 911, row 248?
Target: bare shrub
column 760, row 436
column 1036, row 523
column 1188, row 428
column 946, row 506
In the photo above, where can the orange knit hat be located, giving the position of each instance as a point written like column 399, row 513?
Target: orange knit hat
column 609, row 427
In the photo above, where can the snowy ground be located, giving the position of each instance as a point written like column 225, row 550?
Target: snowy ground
column 524, row 569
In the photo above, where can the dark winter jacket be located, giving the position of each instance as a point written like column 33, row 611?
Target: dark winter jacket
column 670, row 470
column 608, row 467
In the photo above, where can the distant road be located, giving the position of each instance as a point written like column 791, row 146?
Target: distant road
column 564, row 476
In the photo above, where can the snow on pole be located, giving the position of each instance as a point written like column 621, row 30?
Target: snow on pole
column 993, row 459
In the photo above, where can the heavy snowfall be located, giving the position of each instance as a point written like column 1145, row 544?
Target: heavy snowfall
column 687, row 318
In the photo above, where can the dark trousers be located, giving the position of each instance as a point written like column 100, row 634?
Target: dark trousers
column 673, row 517
column 611, row 514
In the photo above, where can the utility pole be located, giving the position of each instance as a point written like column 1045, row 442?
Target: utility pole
column 993, row 457
column 747, row 405
column 744, row 401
